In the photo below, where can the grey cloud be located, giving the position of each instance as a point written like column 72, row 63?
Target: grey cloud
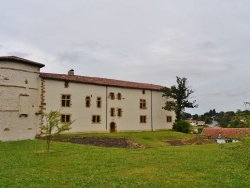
column 207, row 42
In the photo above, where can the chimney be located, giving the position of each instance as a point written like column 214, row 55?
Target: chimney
column 71, row 72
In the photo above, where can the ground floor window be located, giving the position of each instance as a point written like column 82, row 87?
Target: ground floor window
column 65, row 118
column 143, row 119
column 96, row 119
column 169, row 119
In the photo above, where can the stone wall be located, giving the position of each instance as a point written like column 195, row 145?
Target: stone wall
column 19, row 104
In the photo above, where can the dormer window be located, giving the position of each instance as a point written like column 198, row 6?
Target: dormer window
column 112, row 95
column 119, row 96
column 66, row 84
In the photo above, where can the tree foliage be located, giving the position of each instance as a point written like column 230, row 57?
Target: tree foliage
column 53, row 126
column 179, row 96
column 182, row 126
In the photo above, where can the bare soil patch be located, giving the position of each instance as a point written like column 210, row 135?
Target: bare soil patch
column 102, row 141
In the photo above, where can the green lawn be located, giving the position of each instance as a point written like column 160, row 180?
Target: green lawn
column 24, row 164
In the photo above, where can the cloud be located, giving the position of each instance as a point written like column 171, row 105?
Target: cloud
column 207, row 42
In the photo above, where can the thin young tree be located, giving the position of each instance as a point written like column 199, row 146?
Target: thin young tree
column 178, row 98
column 53, row 126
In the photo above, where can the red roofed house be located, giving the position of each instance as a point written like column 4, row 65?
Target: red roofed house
column 222, row 135
column 96, row 104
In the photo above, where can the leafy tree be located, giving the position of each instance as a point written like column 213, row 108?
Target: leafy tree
column 208, row 120
column 186, row 116
column 196, row 117
column 53, row 126
column 180, row 95
column 182, row 126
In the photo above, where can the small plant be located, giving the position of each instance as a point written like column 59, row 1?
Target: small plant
column 53, row 126
column 182, row 126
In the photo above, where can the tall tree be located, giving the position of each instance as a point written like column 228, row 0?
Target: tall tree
column 179, row 97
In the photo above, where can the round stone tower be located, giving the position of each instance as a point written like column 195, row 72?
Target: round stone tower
column 19, row 98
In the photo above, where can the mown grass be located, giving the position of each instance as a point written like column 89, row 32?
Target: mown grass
column 24, row 164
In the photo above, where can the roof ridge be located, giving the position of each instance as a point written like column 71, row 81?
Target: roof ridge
column 100, row 81
column 19, row 59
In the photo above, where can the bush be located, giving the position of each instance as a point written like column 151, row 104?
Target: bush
column 182, row 126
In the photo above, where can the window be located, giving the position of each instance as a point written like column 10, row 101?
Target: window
column 169, row 119
column 96, row 119
column 66, row 100
column 99, row 102
column 87, row 101
column 143, row 119
column 143, row 91
column 112, row 95
column 65, row 118
column 119, row 96
column 143, row 104
column 119, row 112
column 23, row 105
column 112, row 112
column 66, row 84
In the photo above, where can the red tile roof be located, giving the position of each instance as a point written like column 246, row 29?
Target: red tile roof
column 99, row 81
column 21, row 60
column 215, row 133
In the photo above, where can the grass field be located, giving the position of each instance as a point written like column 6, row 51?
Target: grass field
column 25, row 164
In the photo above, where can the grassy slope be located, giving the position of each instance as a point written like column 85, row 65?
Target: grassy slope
column 23, row 164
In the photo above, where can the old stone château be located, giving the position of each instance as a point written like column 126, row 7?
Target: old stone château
column 96, row 104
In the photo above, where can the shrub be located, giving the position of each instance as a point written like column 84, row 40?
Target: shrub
column 182, row 126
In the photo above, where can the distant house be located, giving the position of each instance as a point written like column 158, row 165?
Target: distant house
column 223, row 135
column 200, row 122
column 193, row 123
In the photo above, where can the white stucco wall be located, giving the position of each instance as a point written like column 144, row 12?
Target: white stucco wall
column 18, row 79
column 78, row 111
column 130, row 105
column 159, row 114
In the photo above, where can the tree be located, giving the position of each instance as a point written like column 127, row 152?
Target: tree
column 182, row 126
column 53, row 126
column 179, row 98
column 186, row 116
column 196, row 117
column 208, row 120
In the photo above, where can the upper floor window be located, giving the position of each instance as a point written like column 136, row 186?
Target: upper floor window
column 99, row 102
column 143, row 104
column 96, row 119
column 112, row 112
column 66, row 100
column 65, row 118
column 112, row 95
column 66, row 84
column 119, row 96
column 169, row 119
column 87, row 101
column 143, row 119
column 119, row 112
column 143, row 91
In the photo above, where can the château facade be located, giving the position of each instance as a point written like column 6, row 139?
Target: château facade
column 95, row 104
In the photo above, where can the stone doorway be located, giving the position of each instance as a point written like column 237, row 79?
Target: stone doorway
column 112, row 127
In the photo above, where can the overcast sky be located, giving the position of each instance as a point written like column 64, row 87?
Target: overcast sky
column 150, row 41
